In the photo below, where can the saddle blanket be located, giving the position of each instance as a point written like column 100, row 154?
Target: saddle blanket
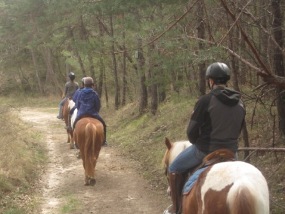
column 192, row 180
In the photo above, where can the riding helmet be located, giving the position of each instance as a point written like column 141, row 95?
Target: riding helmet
column 219, row 72
column 71, row 76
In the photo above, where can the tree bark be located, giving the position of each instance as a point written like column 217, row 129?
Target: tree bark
column 36, row 71
column 51, row 80
column 278, row 60
column 201, row 35
column 76, row 52
column 115, row 70
column 124, row 91
column 153, row 79
column 143, row 88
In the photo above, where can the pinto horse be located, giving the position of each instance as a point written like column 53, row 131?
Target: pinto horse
column 89, row 136
column 71, row 104
column 65, row 113
column 232, row 187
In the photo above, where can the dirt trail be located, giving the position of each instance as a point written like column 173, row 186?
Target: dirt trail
column 119, row 188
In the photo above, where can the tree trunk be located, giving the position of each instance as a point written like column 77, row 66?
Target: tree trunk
column 51, row 80
column 153, row 79
column 76, row 52
column 201, row 35
column 36, row 71
column 143, row 88
column 235, row 71
column 124, row 91
column 115, row 70
column 278, row 60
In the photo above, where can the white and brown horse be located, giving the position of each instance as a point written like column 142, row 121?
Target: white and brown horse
column 232, row 187
column 89, row 136
column 71, row 104
column 65, row 113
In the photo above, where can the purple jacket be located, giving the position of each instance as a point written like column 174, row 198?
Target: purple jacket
column 88, row 103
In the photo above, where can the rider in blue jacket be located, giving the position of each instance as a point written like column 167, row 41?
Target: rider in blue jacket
column 88, row 104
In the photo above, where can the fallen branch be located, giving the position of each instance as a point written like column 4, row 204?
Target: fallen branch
column 262, row 149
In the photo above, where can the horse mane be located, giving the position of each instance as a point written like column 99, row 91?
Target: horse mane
column 173, row 150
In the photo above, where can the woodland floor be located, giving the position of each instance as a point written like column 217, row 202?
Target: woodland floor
column 120, row 188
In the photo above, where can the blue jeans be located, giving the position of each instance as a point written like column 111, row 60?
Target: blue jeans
column 187, row 159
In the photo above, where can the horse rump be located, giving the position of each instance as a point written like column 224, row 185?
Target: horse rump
column 88, row 135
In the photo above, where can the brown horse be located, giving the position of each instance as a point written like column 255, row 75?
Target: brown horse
column 89, row 136
column 65, row 113
column 232, row 187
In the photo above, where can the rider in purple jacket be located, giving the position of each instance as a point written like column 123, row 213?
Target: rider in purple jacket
column 88, row 104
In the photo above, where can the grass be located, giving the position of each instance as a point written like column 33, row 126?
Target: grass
column 70, row 205
column 21, row 158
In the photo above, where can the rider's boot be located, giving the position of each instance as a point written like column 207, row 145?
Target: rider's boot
column 60, row 116
column 176, row 182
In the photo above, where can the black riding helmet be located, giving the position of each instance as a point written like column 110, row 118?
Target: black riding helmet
column 219, row 72
column 71, row 76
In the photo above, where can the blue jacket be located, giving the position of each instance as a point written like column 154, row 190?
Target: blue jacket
column 88, row 103
column 76, row 95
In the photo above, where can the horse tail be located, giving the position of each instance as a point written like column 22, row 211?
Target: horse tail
column 89, row 149
column 245, row 199
column 243, row 202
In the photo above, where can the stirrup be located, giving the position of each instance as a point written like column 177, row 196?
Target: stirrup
column 167, row 210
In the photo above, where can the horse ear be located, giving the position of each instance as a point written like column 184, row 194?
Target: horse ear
column 167, row 143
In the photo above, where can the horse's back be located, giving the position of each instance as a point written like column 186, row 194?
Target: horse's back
column 231, row 188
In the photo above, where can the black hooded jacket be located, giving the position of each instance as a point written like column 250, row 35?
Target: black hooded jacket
column 217, row 120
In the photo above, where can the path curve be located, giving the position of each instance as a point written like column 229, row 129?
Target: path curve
column 119, row 188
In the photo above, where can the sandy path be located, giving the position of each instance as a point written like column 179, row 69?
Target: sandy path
column 119, row 188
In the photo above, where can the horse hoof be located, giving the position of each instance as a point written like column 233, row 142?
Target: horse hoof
column 92, row 182
column 78, row 155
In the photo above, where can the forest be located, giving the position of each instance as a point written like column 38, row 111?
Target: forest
column 141, row 50
column 145, row 52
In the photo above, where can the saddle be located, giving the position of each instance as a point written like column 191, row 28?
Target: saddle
column 218, row 156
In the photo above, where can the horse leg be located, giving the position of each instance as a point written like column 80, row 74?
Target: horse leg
column 86, row 180
column 176, row 182
column 72, row 144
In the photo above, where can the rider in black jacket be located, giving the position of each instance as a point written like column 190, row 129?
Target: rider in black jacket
column 216, row 123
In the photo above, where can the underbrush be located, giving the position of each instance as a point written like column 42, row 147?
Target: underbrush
column 142, row 137
column 21, row 160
